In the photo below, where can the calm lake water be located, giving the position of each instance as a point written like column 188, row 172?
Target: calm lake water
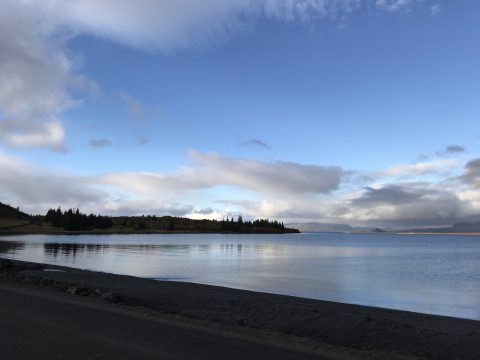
column 430, row 274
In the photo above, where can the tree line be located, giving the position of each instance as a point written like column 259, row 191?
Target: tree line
column 240, row 224
column 74, row 220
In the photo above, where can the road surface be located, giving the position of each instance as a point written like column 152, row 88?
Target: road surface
column 35, row 324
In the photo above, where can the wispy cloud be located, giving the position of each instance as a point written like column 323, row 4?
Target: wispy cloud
column 134, row 106
column 210, row 170
column 435, row 9
column 99, row 143
column 394, row 5
column 37, row 189
column 256, row 143
column 167, row 25
column 33, row 132
column 205, row 211
column 420, row 168
column 452, row 149
column 145, row 206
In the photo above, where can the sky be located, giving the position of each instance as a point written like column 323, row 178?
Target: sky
column 364, row 112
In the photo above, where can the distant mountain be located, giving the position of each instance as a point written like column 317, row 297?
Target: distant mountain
column 467, row 225
column 457, row 228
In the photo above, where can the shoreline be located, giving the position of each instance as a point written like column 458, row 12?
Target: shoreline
column 139, row 232
column 34, row 230
column 324, row 327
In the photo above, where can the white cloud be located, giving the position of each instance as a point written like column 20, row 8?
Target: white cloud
column 210, row 170
column 420, row 168
column 145, row 206
column 281, row 190
column 33, row 133
column 38, row 189
column 34, row 74
column 471, row 199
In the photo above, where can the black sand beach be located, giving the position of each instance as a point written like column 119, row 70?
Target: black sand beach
column 76, row 314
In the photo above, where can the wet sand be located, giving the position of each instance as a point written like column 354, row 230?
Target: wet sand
column 257, row 322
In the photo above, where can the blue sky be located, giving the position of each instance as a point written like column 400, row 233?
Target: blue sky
column 313, row 110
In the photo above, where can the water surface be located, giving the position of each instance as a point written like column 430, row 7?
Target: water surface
column 430, row 274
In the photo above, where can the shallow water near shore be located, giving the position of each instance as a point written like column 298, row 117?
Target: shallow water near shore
column 430, row 274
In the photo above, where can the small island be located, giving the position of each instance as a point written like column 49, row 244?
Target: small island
column 73, row 221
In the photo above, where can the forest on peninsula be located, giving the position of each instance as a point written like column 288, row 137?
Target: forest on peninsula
column 12, row 220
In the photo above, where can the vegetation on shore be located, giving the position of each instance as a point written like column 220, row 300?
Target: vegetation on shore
column 12, row 220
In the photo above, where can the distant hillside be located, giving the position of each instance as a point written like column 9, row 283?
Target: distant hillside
column 12, row 217
column 471, row 225
column 9, row 212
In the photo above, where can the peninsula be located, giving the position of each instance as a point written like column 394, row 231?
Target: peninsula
column 72, row 221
